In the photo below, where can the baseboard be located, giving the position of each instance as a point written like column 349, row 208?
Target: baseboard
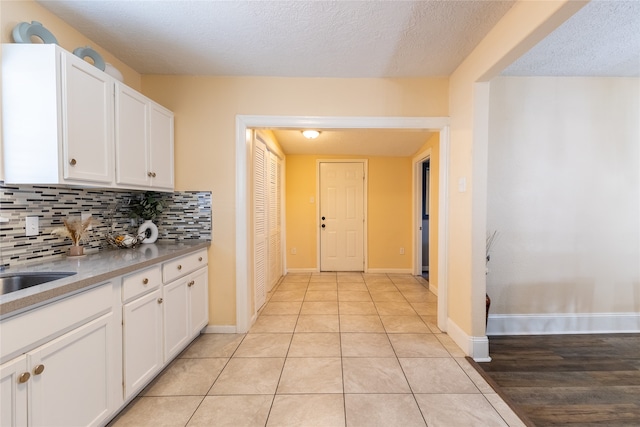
column 474, row 347
column 433, row 289
column 390, row 270
column 302, row 270
column 220, row 329
column 425, row 268
column 561, row 323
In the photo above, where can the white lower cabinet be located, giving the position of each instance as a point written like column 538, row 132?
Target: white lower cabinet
column 185, row 311
column 13, row 392
column 142, row 341
column 65, row 382
column 71, row 376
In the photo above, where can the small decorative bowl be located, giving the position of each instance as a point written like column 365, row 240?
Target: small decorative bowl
column 124, row 241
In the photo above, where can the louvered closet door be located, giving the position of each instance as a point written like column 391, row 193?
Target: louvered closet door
column 275, row 253
column 260, row 218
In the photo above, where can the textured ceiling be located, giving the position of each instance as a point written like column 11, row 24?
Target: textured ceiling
column 601, row 39
column 345, row 39
column 286, row 38
column 378, row 142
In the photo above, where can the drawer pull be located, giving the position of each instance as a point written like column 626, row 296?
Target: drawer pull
column 160, row 300
column 191, row 283
column 179, row 267
column 24, row 377
column 199, row 258
column 145, row 281
column 38, row 369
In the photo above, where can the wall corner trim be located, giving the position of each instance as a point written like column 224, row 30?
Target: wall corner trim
column 474, row 347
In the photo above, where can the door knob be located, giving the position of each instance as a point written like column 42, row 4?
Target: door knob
column 24, row 377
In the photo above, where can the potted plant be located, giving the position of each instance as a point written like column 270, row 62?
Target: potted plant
column 148, row 208
column 77, row 230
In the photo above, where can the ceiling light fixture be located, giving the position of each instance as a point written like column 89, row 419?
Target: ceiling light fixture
column 310, row 134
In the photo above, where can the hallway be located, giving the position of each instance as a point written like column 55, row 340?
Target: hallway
column 328, row 349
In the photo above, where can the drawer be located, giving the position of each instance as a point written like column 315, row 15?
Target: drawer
column 184, row 265
column 26, row 331
column 141, row 282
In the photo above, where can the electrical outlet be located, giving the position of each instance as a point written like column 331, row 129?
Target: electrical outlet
column 31, row 226
column 401, row 251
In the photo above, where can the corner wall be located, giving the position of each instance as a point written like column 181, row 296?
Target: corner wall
column 524, row 25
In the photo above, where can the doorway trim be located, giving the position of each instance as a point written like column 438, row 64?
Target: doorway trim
column 443, row 212
column 244, row 123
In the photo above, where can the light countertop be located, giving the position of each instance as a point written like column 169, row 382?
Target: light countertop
column 90, row 270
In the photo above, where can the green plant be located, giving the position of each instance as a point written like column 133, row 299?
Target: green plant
column 148, row 207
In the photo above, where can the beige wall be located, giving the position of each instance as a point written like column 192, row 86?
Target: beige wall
column 564, row 194
column 388, row 214
column 205, row 113
column 524, row 25
column 14, row 12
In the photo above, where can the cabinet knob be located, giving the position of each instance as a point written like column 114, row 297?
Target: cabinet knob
column 149, row 174
column 160, row 300
column 154, row 174
column 199, row 258
column 24, row 377
column 145, row 281
column 38, row 369
column 191, row 283
column 72, row 162
column 179, row 267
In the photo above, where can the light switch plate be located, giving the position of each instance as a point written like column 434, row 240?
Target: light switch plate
column 31, row 226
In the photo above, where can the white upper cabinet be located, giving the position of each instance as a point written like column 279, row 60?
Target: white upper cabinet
column 144, row 142
column 57, row 118
column 67, row 122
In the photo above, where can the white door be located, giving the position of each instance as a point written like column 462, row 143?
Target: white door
column 142, row 338
column 176, row 317
column 132, row 135
column 275, row 200
column 14, row 376
column 72, row 375
column 341, row 216
column 161, row 146
column 260, row 223
column 88, row 122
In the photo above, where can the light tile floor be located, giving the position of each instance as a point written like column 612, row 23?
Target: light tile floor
column 328, row 349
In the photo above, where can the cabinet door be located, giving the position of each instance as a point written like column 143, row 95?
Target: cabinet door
column 13, row 392
column 198, row 301
column 176, row 317
column 87, row 115
column 142, row 341
column 161, row 146
column 72, row 377
column 132, row 136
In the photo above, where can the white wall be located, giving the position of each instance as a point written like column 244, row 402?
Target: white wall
column 564, row 195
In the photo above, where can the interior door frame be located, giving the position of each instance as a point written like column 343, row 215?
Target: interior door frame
column 244, row 123
column 365, row 166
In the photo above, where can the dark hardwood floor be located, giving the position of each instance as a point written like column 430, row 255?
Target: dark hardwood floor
column 568, row 380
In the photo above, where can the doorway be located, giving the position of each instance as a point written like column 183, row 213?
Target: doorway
column 342, row 215
column 244, row 269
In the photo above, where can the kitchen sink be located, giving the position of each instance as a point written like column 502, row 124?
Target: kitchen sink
column 17, row 281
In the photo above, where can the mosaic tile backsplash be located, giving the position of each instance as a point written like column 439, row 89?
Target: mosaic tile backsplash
column 186, row 216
